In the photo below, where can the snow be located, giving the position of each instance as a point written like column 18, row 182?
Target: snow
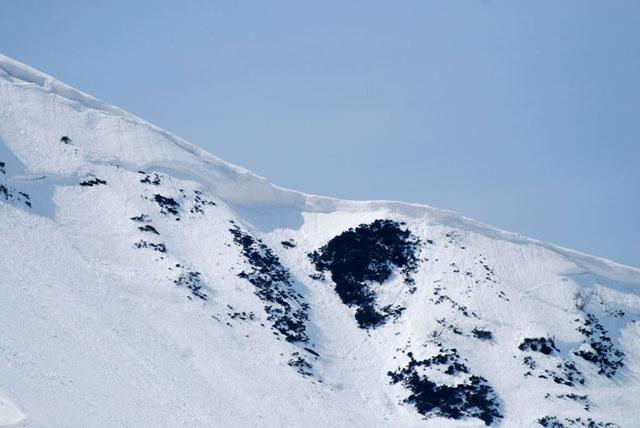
column 9, row 413
column 97, row 332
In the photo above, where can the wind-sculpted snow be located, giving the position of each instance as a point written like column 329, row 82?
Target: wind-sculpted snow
column 147, row 283
column 368, row 253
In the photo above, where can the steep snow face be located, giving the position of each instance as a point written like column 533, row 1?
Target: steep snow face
column 145, row 282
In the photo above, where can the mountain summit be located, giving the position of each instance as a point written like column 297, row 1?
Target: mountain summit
column 145, row 282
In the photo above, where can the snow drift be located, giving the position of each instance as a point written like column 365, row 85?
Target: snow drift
column 145, row 282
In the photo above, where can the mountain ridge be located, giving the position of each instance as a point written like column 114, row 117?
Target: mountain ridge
column 145, row 282
column 17, row 70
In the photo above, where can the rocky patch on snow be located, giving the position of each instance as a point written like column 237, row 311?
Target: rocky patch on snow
column 200, row 202
column 555, row 422
column 544, row 361
column 440, row 297
column 191, row 280
column 142, row 218
column 544, row 345
column 148, row 228
column 285, row 307
column 289, row 243
column 581, row 399
column 598, row 347
column 95, row 181
column 10, row 194
column 301, row 364
column 161, row 247
column 462, row 395
column 153, row 179
column 369, row 253
column 167, row 204
column 482, row 334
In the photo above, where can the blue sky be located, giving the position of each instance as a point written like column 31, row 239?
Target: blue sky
column 524, row 115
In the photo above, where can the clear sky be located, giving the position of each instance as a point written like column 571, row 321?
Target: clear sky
column 523, row 115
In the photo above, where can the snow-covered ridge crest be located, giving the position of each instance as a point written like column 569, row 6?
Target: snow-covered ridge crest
column 186, row 155
column 144, row 282
column 18, row 72
column 162, row 149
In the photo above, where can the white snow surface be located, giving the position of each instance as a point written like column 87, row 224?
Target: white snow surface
column 9, row 413
column 95, row 332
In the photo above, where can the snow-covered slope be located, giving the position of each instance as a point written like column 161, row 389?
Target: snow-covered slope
column 145, row 282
